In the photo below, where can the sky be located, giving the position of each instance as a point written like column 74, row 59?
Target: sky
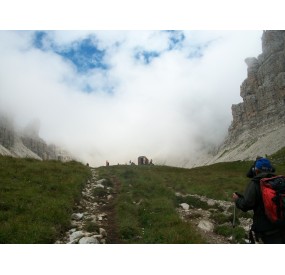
column 116, row 95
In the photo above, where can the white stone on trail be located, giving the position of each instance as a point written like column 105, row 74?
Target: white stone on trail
column 206, row 225
column 211, row 202
column 76, row 235
column 100, row 181
column 103, row 232
column 185, row 206
column 88, row 240
column 77, row 216
column 88, row 212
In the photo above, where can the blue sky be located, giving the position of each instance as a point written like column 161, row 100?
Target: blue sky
column 114, row 95
column 86, row 55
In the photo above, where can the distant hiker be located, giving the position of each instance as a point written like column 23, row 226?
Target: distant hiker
column 107, row 163
column 252, row 199
column 87, row 164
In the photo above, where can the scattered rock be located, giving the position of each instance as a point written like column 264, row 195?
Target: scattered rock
column 101, row 182
column 90, row 217
column 211, row 202
column 201, row 218
column 88, row 240
column 109, row 197
column 77, row 216
column 75, row 236
column 185, row 206
column 103, row 232
column 206, row 225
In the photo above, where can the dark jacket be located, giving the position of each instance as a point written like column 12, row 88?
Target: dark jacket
column 252, row 200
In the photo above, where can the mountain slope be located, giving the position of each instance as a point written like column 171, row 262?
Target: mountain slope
column 258, row 126
column 27, row 143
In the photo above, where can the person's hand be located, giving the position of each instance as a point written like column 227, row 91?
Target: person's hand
column 235, row 196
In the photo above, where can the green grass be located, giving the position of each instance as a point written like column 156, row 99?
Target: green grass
column 238, row 233
column 155, row 220
column 37, row 197
column 146, row 207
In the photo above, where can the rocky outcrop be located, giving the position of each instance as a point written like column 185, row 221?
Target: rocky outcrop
column 7, row 133
column 263, row 91
column 258, row 125
column 27, row 143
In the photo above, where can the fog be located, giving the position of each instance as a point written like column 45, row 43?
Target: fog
column 169, row 108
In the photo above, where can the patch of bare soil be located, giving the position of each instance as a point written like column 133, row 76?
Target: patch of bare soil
column 108, row 207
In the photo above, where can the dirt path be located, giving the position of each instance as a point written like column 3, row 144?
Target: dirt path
column 94, row 220
column 111, row 224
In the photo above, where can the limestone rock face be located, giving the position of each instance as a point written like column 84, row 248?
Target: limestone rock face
column 258, row 125
column 27, row 143
column 7, row 135
column 263, row 91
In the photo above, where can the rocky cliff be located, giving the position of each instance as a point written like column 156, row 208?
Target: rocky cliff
column 27, row 143
column 258, row 125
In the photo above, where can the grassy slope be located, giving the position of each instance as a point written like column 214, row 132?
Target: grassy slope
column 37, row 197
column 146, row 203
column 146, row 207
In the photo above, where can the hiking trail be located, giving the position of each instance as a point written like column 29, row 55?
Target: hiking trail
column 94, row 219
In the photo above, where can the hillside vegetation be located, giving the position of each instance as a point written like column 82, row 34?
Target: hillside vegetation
column 37, row 197
column 147, row 201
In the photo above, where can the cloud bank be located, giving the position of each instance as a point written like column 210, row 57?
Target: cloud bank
column 116, row 95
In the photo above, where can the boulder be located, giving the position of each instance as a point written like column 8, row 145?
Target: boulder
column 88, row 240
column 184, row 206
column 206, row 225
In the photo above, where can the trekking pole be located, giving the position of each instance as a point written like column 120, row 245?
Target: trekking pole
column 234, row 218
column 234, row 222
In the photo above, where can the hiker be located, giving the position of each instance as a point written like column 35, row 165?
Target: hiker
column 262, row 227
column 250, row 173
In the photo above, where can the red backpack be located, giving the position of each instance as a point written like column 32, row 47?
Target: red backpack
column 273, row 196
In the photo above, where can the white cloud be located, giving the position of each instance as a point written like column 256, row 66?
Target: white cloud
column 166, row 110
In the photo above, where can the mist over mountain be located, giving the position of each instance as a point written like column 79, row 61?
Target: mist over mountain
column 116, row 95
column 27, row 143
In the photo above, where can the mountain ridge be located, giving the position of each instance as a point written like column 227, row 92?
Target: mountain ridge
column 258, row 125
column 27, row 143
